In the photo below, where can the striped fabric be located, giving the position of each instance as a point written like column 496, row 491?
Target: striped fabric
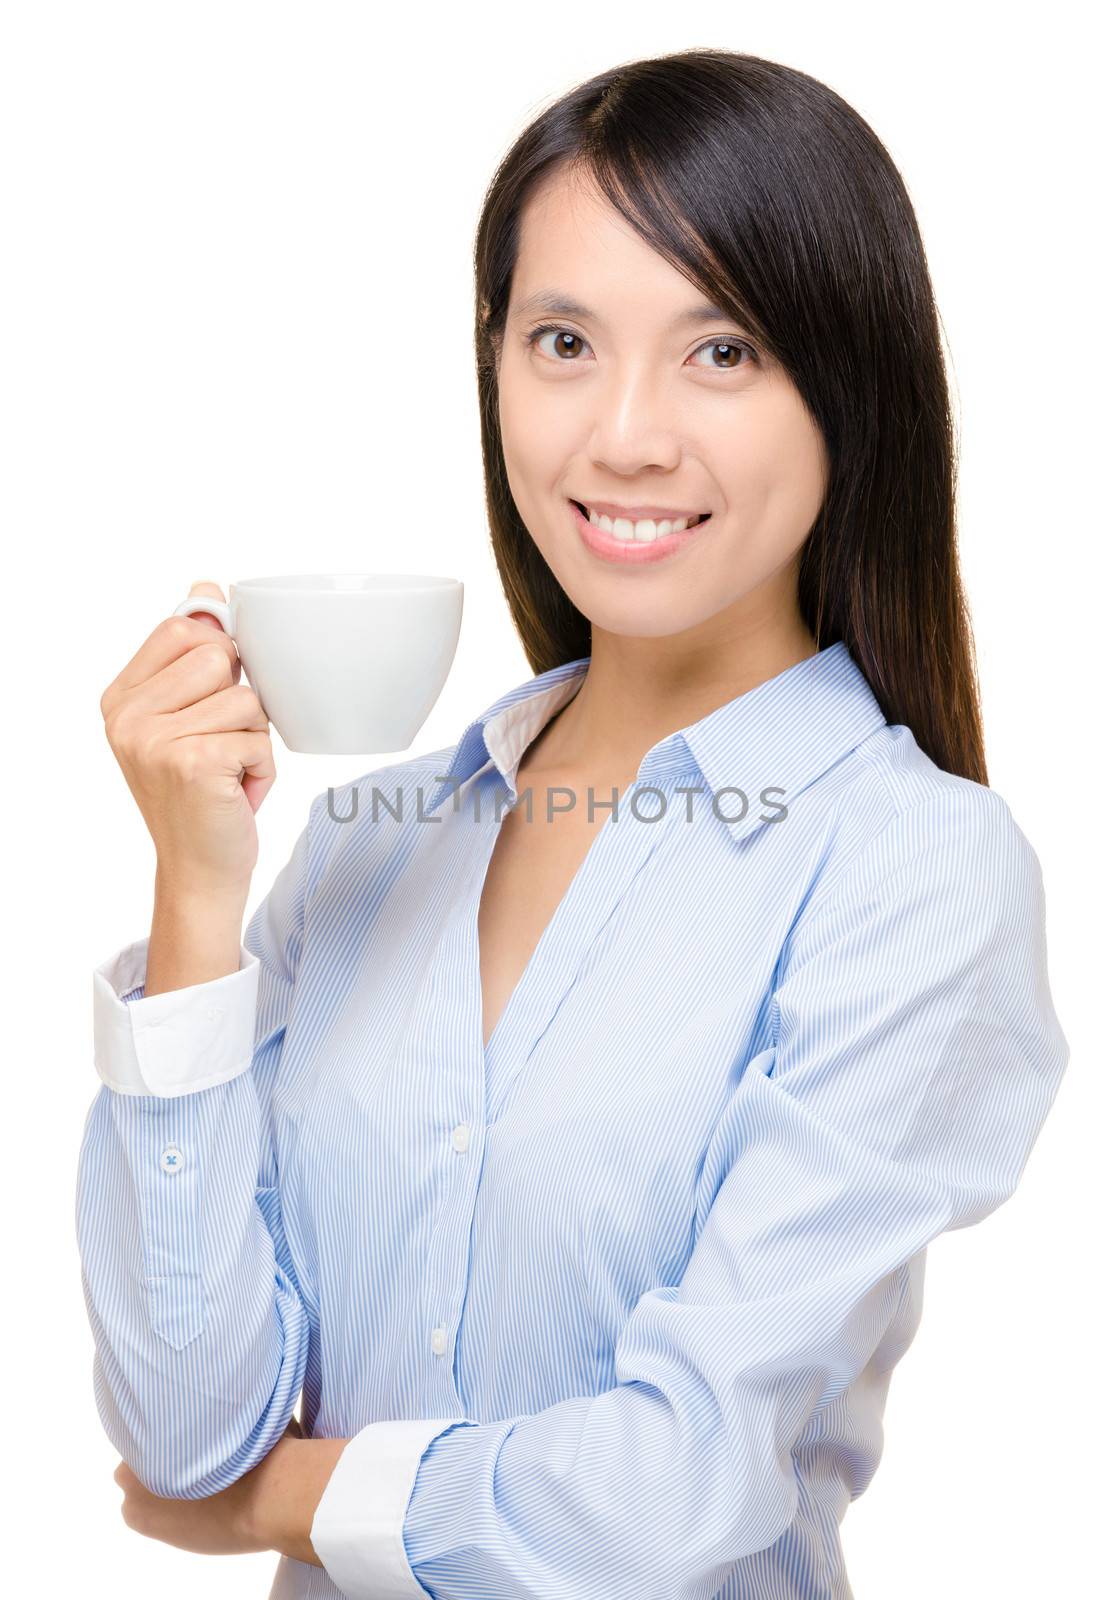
column 608, row 1309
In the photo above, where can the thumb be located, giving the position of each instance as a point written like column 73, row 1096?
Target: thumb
column 201, row 586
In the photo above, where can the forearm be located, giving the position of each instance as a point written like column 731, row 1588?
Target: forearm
column 287, row 1489
column 192, row 940
column 201, row 1332
column 201, row 1341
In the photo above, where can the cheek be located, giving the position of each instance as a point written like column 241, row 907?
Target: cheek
column 539, row 442
column 776, row 464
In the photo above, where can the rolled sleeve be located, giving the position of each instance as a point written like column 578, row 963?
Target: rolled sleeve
column 176, row 1042
column 196, row 1307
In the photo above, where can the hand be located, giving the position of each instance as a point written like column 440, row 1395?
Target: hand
column 193, row 744
column 272, row 1507
column 215, row 1526
column 223, row 1524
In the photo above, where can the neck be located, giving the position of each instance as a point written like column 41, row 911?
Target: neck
column 639, row 690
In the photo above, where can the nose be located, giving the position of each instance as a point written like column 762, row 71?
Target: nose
column 633, row 427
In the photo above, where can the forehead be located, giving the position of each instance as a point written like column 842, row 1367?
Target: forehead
column 571, row 238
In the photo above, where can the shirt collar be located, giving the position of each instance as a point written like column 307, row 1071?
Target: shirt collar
column 780, row 736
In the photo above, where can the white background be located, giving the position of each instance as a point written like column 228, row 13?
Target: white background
column 236, row 307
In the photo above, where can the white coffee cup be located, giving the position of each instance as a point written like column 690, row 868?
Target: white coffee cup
column 343, row 663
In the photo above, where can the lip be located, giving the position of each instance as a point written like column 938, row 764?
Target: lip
column 631, row 551
column 607, row 508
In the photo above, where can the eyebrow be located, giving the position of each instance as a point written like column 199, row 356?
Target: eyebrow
column 556, row 303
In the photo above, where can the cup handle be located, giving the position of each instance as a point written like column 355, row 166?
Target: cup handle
column 218, row 608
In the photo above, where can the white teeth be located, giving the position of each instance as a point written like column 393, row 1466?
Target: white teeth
column 623, row 528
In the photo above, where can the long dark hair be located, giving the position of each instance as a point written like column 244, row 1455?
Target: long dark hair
column 777, row 200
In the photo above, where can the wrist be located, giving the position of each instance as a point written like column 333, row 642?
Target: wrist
column 180, row 893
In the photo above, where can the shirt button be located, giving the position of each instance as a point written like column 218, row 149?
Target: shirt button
column 438, row 1341
column 460, row 1137
column 171, row 1159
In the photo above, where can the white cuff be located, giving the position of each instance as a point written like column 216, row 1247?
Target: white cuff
column 357, row 1530
column 178, row 1041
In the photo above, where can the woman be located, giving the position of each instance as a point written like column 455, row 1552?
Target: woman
column 578, row 1159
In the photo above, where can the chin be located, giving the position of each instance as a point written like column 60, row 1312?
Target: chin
column 631, row 620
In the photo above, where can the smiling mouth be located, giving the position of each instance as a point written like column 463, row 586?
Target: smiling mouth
column 632, row 536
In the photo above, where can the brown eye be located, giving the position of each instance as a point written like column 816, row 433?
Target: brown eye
column 733, row 351
column 567, row 345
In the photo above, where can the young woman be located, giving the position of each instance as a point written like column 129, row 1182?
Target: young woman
column 572, row 1123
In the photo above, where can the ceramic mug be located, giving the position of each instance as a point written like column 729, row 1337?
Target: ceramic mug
column 343, row 663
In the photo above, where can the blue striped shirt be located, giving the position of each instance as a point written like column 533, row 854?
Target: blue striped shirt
column 610, row 1307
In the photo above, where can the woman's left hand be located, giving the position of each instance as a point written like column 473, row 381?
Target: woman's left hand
column 223, row 1524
